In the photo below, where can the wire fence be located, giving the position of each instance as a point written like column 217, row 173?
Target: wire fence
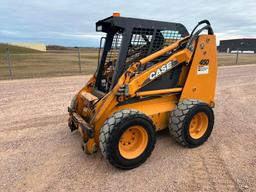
column 14, row 65
column 47, row 64
column 225, row 59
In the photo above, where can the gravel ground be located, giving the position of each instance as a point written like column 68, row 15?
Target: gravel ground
column 38, row 153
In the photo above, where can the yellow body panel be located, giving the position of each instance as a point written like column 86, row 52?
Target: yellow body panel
column 201, row 84
column 157, row 92
column 157, row 109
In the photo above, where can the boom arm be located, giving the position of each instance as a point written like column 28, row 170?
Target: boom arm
column 136, row 82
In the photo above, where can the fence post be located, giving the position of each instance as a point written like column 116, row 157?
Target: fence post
column 237, row 56
column 9, row 63
column 79, row 60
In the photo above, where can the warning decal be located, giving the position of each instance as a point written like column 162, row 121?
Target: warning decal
column 201, row 70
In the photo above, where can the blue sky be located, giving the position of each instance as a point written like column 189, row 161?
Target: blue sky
column 72, row 23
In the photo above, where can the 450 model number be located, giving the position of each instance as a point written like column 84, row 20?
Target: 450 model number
column 204, row 62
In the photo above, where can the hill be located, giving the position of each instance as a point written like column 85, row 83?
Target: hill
column 16, row 49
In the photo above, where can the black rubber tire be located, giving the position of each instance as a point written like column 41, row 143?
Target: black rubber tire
column 73, row 105
column 113, row 129
column 180, row 119
column 71, row 125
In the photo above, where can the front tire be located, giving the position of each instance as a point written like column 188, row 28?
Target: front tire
column 127, row 139
column 191, row 123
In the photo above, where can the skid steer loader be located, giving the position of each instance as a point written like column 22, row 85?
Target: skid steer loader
column 151, row 75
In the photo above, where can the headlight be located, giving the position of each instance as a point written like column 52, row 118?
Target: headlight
column 99, row 28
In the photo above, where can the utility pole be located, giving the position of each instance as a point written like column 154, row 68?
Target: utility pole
column 9, row 63
column 79, row 60
column 237, row 50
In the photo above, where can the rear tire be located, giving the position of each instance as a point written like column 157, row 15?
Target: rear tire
column 191, row 122
column 127, row 139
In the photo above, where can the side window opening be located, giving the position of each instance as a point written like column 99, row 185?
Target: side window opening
column 139, row 46
column 110, row 62
column 162, row 39
column 147, row 41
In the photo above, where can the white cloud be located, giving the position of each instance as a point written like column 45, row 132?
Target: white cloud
column 8, row 32
column 74, row 21
column 77, row 35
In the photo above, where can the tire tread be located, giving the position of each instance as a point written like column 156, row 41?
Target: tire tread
column 111, row 125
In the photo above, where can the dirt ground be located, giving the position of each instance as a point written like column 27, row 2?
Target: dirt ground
column 38, row 152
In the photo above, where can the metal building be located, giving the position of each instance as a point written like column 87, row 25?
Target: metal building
column 245, row 45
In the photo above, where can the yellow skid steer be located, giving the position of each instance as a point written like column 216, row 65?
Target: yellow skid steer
column 151, row 75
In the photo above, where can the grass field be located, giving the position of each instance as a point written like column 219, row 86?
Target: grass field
column 230, row 59
column 16, row 49
column 27, row 63
column 50, row 63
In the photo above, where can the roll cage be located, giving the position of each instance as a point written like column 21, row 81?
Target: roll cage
column 127, row 41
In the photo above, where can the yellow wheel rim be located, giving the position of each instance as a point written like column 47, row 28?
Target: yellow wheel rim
column 198, row 125
column 133, row 142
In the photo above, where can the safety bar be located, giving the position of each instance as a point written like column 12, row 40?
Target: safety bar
column 158, row 92
column 162, row 51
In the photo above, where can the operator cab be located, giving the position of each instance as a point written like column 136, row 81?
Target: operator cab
column 127, row 41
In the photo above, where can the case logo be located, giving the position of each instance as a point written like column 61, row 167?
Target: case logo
column 162, row 70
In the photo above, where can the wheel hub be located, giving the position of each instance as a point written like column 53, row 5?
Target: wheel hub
column 133, row 142
column 198, row 125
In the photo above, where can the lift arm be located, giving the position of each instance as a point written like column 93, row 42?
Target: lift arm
column 136, row 82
